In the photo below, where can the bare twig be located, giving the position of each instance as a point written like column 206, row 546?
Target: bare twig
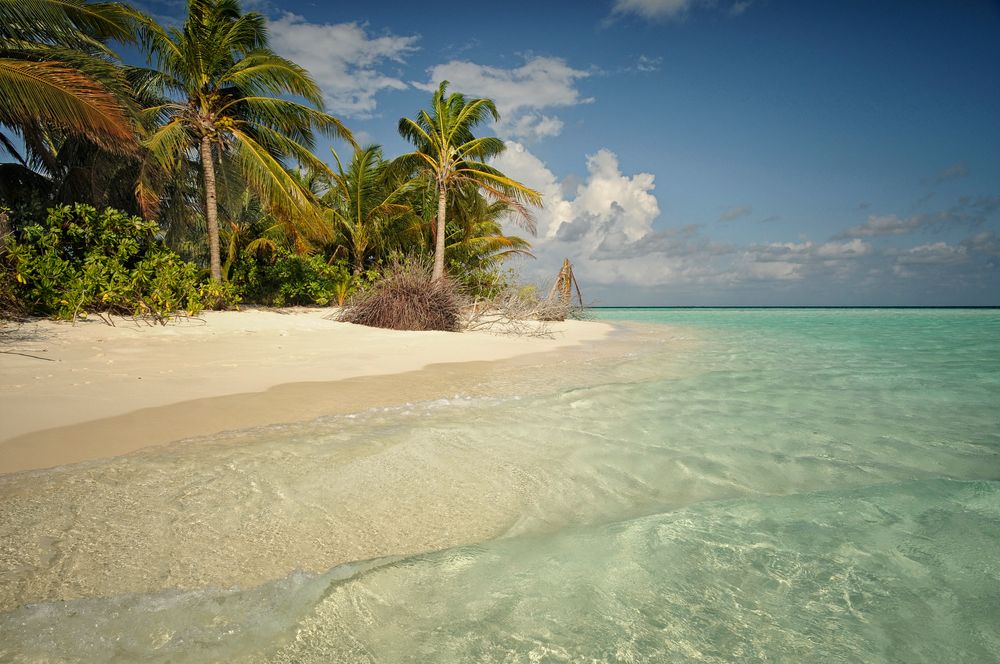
column 406, row 298
column 14, row 352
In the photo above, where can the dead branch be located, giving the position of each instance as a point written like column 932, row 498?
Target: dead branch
column 34, row 357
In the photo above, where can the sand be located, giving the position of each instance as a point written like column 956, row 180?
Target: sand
column 70, row 393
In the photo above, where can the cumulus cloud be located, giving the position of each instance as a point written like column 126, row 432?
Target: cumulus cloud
column 344, row 59
column 520, row 93
column 608, row 223
column 530, row 127
column 604, row 223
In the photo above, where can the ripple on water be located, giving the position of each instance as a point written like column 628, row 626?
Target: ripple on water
column 886, row 573
column 788, row 489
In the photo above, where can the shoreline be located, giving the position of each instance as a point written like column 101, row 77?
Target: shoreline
column 399, row 476
column 84, row 405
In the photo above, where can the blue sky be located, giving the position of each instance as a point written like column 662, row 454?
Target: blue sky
column 707, row 152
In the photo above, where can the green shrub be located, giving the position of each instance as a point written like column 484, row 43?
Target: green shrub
column 217, row 296
column 286, row 279
column 82, row 260
column 483, row 282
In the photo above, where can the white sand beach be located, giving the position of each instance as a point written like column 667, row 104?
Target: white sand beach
column 70, row 393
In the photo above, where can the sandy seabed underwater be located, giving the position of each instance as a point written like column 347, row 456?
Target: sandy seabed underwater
column 757, row 484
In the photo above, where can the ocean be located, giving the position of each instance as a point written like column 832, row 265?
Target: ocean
column 716, row 485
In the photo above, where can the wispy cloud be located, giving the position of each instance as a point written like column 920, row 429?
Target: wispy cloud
column 739, row 8
column 953, row 172
column 673, row 10
column 970, row 211
column 653, row 9
column 521, row 93
column 732, row 214
column 345, row 59
column 646, row 64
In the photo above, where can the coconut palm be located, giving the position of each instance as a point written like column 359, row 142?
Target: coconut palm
column 476, row 245
column 450, row 155
column 223, row 87
column 58, row 77
column 364, row 200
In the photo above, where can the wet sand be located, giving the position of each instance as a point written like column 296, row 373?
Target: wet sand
column 255, row 504
column 75, row 393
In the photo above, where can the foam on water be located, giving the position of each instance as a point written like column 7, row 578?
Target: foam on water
column 795, row 486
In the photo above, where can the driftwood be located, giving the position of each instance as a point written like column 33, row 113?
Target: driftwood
column 560, row 298
column 34, row 357
column 514, row 313
column 508, row 313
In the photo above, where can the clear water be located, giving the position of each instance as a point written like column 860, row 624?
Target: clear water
column 743, row 485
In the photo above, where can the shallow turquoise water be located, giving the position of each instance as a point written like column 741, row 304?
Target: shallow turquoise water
column 799, row 485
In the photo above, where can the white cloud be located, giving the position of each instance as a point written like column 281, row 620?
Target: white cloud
column 667, row 10
column 602, row 214
column 604, row 223
column 647, row 64
column 793, row 261
column 969, row 211
column 520, row 92
column 653, row 9
column 738, row 8
column 343, row 58
column 986, row 243
column 850, row 249
column 889, row 224
column 607, row 223
column 531, row 127
column 927, row 258
column 936, row 253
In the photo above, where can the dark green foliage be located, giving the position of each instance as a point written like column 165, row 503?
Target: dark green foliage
column 407, row 298
column 282, row 278
column 481, row 282
column 81, row 260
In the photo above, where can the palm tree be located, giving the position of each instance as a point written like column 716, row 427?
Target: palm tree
column 59, row 79
column 450, row 155
column 222, row 85
column 475, row 245
column 364, row 200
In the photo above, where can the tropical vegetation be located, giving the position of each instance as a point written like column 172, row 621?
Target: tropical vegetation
column 450, row 156
column 81, row 261
column 193, row 180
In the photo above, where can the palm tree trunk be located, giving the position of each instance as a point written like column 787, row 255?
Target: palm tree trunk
column 6, row 232
column 439, row 240
column 211, row 209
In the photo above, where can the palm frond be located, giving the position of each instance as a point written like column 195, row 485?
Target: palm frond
column 72, row 23
column 263, row 72
column 54, row 93
column 281, row 192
